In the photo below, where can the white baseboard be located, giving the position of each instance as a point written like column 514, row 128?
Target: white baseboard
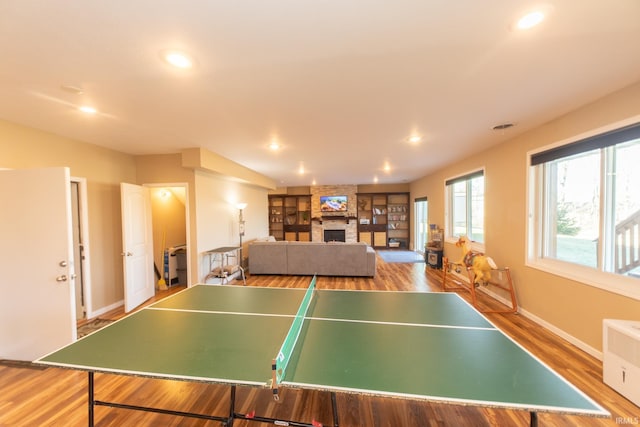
column 562, row 334
column 104, row 310
column 496, row 297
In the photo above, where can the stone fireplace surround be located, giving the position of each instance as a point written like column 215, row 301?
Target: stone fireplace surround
column 340, row 222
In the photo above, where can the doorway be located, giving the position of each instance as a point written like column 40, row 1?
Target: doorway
column 170, row 213
column 421, row 224
column 161, row 210
column 79, row 230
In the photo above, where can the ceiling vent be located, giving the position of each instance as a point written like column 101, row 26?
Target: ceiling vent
column 503, row 126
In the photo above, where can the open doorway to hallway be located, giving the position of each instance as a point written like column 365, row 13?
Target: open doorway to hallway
column 169, row 210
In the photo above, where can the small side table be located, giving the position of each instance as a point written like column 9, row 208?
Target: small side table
column 433, row 257
column 221, row 257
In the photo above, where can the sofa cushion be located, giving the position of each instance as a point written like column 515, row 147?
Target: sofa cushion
column 327, row 259
column 309, row 258
column 305, row 258
column 268, row 257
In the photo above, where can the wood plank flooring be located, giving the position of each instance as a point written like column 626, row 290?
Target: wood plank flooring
column 58, row 397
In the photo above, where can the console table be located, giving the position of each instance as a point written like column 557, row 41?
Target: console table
column 223, row 270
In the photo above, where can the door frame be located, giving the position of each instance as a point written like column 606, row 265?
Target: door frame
column 418, row 247
column 184, row 185
column 83, row 215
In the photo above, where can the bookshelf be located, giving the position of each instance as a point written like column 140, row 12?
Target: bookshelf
column 290, row 217
column 383, row 219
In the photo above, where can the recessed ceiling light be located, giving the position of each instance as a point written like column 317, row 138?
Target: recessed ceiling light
column 414, row 139
column 274, row 145
column 87, row 109
column 530, row 20
column 177, row 58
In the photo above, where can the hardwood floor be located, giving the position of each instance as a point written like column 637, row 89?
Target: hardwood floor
column 33, row 396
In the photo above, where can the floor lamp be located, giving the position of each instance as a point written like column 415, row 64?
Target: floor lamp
column 241, row 206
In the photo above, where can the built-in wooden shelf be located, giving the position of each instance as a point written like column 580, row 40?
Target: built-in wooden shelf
column 289, row 217
column 383, row 219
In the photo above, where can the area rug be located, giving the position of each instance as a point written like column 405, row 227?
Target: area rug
column 92, row 326
column 401, row 256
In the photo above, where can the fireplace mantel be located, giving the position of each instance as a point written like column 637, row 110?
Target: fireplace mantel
column 345, row 218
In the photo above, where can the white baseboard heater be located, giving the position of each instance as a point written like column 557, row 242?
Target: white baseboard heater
column 621, row 357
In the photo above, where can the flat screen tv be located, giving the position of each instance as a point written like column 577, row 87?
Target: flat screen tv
column 333, row 203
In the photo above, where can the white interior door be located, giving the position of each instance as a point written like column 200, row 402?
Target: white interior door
column 137, row 240
column 37, row 314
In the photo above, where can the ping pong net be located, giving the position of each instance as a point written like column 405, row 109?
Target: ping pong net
column 282, row 359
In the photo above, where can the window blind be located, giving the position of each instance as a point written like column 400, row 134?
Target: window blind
column 595, row 142
column 466, row 177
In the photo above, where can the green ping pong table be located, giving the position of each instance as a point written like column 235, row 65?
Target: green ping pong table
column 432, row 347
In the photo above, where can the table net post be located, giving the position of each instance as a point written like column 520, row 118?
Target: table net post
column 281, row 361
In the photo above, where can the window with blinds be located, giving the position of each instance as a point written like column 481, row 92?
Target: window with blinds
column 465, row 206
column 585, row 207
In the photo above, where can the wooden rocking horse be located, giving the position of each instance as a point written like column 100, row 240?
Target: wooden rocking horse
column 479, row 270
column 479, row 262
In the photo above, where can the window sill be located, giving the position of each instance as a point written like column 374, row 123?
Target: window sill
column 614, row 283
column 474, row 246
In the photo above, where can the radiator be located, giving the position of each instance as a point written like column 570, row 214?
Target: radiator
column 621, row 357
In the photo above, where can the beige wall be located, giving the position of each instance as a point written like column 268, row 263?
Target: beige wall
column 383, row 188
column 217, row 217
column 573, row 308
column 211, row 204
column 22, row 147
column 162, row 169
column 213, row 219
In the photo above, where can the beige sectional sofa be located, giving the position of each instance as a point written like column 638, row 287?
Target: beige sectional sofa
column 309, row 258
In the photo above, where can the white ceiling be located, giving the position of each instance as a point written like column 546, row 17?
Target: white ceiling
column 340, row 84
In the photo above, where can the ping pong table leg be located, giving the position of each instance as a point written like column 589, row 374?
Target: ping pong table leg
column 91, row 399
column 534, row 419
column 232, row 406
column 335, row 409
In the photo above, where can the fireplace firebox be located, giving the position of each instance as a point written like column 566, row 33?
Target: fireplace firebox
column 335, row 236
